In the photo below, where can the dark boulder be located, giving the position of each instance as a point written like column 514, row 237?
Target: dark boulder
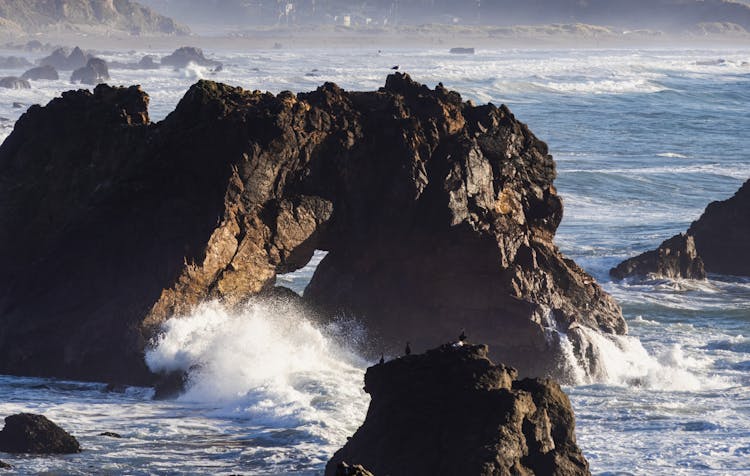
column 675, row 258
column 4, row 465
column 29, row 433
column 13, row 62
column 437, row 215
column 722, row 234
column 12, row 82
column 186, row 55
column 110, row 434
column 41, row 73
column 452, row 411
column 95, row 72
column 63, row 60
column 718, row 242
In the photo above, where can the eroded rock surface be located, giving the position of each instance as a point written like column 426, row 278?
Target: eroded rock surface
column 452, row 411
column 437, row 215
column 185, row 55
column 675, row 258
column 35, row 434
column 718, row 242
column 95, row 72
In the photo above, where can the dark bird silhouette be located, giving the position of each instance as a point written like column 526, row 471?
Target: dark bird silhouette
column 382, row 359
column 462, row 337
column 395, row 68
column 407, row 351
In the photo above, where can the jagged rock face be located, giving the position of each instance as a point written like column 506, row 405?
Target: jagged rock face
column 29, row 433
column 722, row 234
column 674, row 258
column 63, row 60
column 436, row 214
column 41, row 73
column 452, row 411
column 95, row 72
column 715, row 243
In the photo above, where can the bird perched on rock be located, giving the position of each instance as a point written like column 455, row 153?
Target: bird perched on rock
column 407, row 351
column 462, row 337
column 382, row 359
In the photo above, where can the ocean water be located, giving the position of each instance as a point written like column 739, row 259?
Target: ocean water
column 643, row 139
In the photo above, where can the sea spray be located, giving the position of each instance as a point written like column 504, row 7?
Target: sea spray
column 268, row 364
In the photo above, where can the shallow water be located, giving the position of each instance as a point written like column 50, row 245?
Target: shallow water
column 643, row 140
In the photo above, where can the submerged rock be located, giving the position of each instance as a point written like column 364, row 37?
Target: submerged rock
column 110, row 434
column 452, row 411
column 41, row 73
column 675, row 258
column 181, row 57
column 29, row 433
column 718, row 242
column 95, row 72
column 12, row 82
column 436, row 215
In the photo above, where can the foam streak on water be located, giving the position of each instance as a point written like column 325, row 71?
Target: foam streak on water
column 643, row 141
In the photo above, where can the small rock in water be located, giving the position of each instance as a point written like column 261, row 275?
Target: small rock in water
column 95, row 72
column 12, row 82
column 111, row 434
column 18, row 105
column 29, row 433
column 4, row 465
column 344, row 469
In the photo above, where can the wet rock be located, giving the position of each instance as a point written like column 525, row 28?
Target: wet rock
column 18, row 105
column 452, row 411
column 170, row 385
column 64, row 60
column 181, row 57
column 4, row 465
column 12, row 82
column 674, row 258
column 95, row 72
column 29, row 433
column 715, row 243
column 14, row 62
column 722, row 234
column 344, row 469
column 115, row 224
column 110, row 434
column 41, row 73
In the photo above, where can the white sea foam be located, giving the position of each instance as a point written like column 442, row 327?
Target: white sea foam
column 267, row 363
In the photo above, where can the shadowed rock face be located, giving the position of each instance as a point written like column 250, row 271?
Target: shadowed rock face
column 716, row 243
column 29, row 433
column 437, row 215
column 675, row 258
column 452, row 411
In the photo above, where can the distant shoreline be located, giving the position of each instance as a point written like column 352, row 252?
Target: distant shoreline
column 565, row 36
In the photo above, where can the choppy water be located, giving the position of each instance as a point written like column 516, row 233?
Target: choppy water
column 643, row 141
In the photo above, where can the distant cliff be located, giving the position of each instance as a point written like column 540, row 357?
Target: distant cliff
column 664, row 15
column 32, row 16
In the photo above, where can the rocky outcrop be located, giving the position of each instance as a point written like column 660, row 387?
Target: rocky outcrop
column 452, row 411
column 12, row 82
column 95, row 72
column 29, row 433
column 715, row 243
column 66, row 60
column 343, row 469
column 722, row 234
column 48, row 73
column 13, row 62
column 95, row 16
column 675, row 258
column 436, row 215
column 185, row 55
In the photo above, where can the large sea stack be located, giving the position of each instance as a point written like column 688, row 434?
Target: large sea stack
column 452, row 411
column 718, row 242
column 437, row 215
